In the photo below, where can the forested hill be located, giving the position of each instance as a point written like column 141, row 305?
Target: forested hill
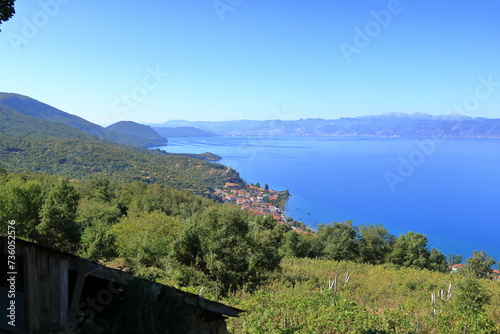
column 385, row 125
column 15, row 124
column 84, row 159
column 38, row 145
column 37, row 110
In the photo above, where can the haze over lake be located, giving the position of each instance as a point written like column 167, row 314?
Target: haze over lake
column 448, row 190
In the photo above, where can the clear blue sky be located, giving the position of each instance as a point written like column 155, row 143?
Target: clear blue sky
column 232, row 59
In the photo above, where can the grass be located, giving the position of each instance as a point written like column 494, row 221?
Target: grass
column 376, row 299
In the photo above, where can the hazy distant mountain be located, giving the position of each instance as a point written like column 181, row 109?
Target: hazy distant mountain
column 35, row 109
column 385, row 125
column 183, row 131
column 136, row 129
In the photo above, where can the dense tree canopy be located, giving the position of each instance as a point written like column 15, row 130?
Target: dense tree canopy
column 70, row 158
column 410, row 250
column 227, row 246
column 6, row 10
column 145, row 239
column 479, row 265
column 339, row 241
column 437, row 261
column 58, row 227
column 21, row 200
column 375, row 244
column 177, row 237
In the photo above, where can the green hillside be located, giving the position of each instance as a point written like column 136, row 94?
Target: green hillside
column 38, row 144
column 79, row 159
column 38, row 110
column 13, row 123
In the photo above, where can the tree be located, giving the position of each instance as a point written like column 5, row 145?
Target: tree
column 186, row 249
column 410, row 250
column 97, row 243
column 437, row 261
column 6, row 10
column 266, row 186
column 145, row 239
column 265, row 238
column 58, row 227
column 479, row 265
column 96, row 216
column 295, row 244
column 471, row 297
column 375, row 244
column 222, row 243
column 21, row 200
column 338, row 241
column 454, row 259
column 98, row 189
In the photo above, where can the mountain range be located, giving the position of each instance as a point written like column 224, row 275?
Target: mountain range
column 152, row 135
column 384, row 125
column 183, row 131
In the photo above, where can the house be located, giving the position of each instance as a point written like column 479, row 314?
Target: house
column 232, row 185
column 46, row 289
column 456, row 267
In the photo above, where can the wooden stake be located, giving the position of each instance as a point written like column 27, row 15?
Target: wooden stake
column 347, row 278
column 433, row 299
column 331, row 283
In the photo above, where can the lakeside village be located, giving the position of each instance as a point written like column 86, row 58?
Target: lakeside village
column 259, row 201
column 264, row 202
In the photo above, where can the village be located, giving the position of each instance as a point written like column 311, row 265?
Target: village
column 254, row 199
column 259, row 201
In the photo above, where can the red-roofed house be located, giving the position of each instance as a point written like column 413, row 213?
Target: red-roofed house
column 457, row 267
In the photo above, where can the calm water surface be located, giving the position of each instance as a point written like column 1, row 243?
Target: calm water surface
column 448, row 190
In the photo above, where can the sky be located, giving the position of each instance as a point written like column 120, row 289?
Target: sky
column 219, row 60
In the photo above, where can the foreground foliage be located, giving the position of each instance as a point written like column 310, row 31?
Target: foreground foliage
column 376, row 299
column 342, row 279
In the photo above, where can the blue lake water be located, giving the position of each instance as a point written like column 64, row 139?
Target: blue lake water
column 447, row 189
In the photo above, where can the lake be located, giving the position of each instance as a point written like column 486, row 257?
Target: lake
column 447, row 189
